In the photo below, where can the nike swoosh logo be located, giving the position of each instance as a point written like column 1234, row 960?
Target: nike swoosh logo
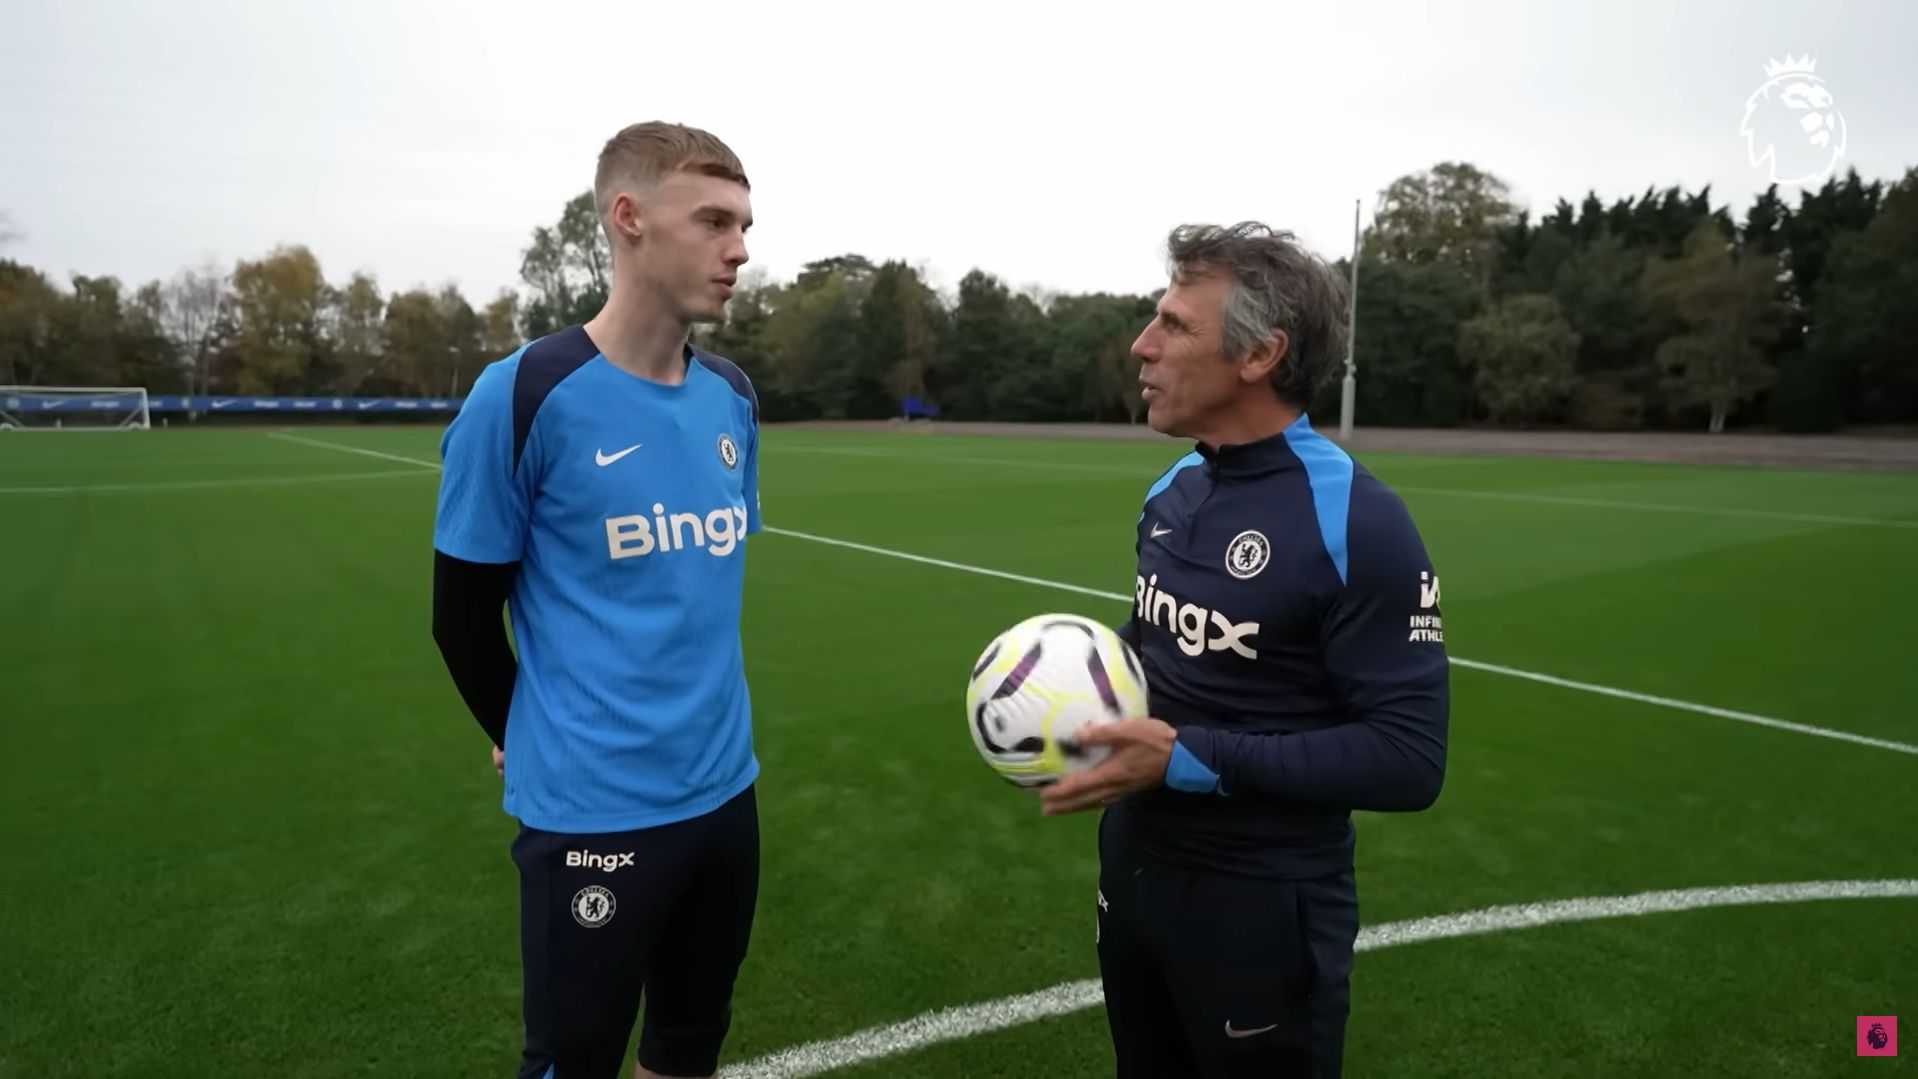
column 1157, row 531
column 602, row 458
column 1230, row 1033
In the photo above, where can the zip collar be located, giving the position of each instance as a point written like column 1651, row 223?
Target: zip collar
column 1263, row 457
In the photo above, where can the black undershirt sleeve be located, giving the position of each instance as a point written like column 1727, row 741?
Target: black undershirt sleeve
column 471, row 633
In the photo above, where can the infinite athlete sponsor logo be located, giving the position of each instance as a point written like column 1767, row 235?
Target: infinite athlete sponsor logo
column 1428, row 628
column 718, row 531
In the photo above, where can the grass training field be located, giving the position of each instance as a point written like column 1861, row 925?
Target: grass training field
column 250, row 830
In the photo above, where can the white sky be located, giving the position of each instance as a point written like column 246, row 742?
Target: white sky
column 1052, row 144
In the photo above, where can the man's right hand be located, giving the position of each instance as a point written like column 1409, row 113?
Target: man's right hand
column 499, row 761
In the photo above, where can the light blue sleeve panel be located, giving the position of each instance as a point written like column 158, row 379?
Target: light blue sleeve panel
column 485, row 498
column 1165, row 479
column 1185, row 772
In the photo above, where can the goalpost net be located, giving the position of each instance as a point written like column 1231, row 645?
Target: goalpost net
column 74, row 408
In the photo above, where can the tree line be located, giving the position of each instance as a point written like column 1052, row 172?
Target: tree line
column 1657, row 310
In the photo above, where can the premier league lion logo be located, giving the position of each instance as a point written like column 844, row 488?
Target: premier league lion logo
column 1791, row 125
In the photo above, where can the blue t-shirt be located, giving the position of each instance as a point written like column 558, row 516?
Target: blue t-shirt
column 626, row 503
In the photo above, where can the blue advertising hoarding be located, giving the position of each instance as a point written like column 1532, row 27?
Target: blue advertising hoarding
column 25, row 401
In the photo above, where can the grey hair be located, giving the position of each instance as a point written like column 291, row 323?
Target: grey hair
column 1277, row 285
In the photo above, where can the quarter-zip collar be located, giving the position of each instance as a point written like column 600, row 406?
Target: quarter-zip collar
column 1260, row 458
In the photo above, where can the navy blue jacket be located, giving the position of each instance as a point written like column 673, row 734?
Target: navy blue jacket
column 1288, row 620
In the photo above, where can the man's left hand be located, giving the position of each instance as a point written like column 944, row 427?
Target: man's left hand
column 1140, row 748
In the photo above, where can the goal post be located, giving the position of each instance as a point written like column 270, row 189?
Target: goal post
column 74, row 408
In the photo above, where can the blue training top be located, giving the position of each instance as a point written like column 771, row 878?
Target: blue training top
column 627, row 503
column 1288, row 620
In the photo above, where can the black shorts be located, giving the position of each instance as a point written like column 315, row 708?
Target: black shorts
column 666, row 911
column 1210, row 975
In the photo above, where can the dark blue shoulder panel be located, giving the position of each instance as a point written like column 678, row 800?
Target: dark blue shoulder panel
column 544, row 365
column 731, row 372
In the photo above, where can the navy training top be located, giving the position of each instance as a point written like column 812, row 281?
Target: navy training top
column 1288, row 620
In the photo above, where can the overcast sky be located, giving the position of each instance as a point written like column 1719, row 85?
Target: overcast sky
column 1050, row 143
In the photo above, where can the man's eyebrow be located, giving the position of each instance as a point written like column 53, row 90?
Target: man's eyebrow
column 724, row 213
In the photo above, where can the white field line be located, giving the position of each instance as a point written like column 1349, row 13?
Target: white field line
column 1491, row 668
column 204, row 485
column 1040, row 582
column 134, row 463
column 1689, row 706
column 876, row 1043
column 1445, row 492
column 1659, row 507
column 344, row 448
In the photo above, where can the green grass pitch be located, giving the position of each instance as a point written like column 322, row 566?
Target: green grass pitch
column 248, row 828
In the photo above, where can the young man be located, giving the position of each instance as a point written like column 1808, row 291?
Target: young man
column 604, row 479
column 1288, row 621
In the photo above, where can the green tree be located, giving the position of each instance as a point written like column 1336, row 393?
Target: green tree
column 1597, row 290
column 146, row 355
column 1865, row 319
column 1530, row 264
column 192, row 305
column 1092, row 353
column 898, row 340
column 568, row 268
column 499, row 332
column 1521, row 352
column 1409, row 373
column 1452, row 212
column 28, row 310
column 812, row 337
column 358, row 330
column 1837, row 208
column 995, row 359
column 1726, row 305
column 461, row 362
column 277, row 303
column 86, row 331
column 1764, row 227
column 583, row 245
column 432, row 343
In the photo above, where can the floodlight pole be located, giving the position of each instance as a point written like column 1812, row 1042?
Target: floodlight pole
column 1350, row 389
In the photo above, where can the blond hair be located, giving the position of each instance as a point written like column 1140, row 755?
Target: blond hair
column 643, row 154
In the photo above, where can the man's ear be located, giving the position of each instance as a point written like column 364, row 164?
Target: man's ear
column 625, row 216
column 1264, row 358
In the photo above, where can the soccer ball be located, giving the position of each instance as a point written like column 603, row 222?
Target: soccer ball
column 1037, row 682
